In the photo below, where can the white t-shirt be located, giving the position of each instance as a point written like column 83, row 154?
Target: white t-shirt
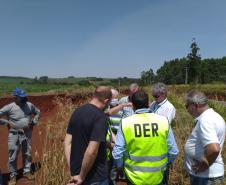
column 165, row 108
column 210, row 128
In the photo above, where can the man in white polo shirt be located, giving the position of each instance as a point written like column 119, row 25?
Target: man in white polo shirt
column 203, row 159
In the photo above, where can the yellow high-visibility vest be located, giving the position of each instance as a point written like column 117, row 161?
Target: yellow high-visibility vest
column 109, row 139
column 145, row 136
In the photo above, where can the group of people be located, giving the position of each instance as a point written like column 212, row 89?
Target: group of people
column 129, row 136
column 144, row 147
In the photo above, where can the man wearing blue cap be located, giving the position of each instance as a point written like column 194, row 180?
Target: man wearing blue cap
column 22, row 116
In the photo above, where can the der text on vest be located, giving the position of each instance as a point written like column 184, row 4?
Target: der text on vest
column 146, row 130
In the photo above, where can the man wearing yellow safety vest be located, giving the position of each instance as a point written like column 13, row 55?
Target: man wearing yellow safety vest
column 145, row 144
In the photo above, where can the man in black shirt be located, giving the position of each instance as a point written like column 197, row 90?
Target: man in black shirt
column 85, row 141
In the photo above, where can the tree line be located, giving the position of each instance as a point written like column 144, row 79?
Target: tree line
column 191, row 69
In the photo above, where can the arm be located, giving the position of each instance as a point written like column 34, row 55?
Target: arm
column 173, row 150
column 116, row 109
column 4, row 111
column 87, row 162
column 67, row 148
column 89, row 158
column 4, row 122
column 209, row 139
column 210, row 155
column 36, row 112
column 119, row 149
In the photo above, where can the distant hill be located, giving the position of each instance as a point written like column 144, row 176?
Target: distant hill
column 44, row 83
column 68, row 80
column 14, row 79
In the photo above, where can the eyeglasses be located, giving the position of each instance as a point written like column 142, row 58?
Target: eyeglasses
column 188, row 104
column 156, row 96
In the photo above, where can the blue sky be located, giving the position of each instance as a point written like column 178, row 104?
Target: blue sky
column 105, row 38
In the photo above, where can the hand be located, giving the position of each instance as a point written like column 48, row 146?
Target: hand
column 120, row 174
column 110, row 145
column 75, row 180
column 10, row 125
column 128, row 104
column 199, row 166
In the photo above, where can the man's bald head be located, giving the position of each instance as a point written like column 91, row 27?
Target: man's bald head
column 102, row 93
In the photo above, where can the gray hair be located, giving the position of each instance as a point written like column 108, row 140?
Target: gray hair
column 196, row 97
column 133, row 86
column 160, row 88
column 115, row 93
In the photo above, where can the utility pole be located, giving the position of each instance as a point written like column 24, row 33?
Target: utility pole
column 186, row 75
column 119, row 84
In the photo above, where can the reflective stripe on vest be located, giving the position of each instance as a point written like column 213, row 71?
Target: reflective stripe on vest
column 146, row 169
column 145, row 137
column 148, row 158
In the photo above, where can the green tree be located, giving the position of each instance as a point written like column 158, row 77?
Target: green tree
column 193, row 63
column 44, row 79
column 172, row 72
column 147, row 77
column 35, row 80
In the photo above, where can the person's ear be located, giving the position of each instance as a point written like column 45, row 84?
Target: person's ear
column 196, row 105
column 106, row 101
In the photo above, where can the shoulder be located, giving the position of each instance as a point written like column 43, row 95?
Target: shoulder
column 85, row 107
column 10, row 105
column 169, row 105
column 91, row 111
column 129, row 118
column 123, row 99
column 30, row 104
column 211, row 117
column 159, row 118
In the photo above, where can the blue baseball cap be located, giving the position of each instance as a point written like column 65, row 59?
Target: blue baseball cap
column 19, row 92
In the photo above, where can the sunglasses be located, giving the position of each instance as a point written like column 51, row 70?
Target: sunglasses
column 156, row 96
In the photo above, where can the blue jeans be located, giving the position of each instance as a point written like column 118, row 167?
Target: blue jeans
column 104, row 182
column 165, row 180
column 206, row 181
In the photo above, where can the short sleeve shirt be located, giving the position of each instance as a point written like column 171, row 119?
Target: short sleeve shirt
column 210, row 128
column 88, row 123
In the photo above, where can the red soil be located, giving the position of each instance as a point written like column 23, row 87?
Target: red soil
column 48, row 108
